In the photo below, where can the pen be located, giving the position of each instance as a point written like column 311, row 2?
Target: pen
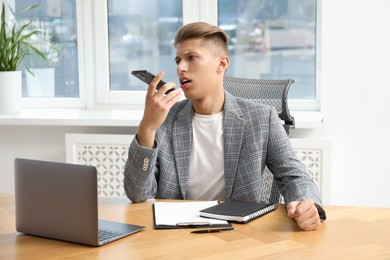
column 214, row 230
column 192, row 224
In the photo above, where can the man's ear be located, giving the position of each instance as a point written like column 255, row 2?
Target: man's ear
column 224, row 62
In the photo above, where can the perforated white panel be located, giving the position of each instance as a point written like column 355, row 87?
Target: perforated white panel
column 109, row 159
column 315, row 155
column 108, row 153
column 311, row 158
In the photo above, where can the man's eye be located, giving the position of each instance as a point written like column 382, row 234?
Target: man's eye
column 191, row 57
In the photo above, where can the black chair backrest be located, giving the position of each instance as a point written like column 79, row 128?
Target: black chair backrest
column 266, row 91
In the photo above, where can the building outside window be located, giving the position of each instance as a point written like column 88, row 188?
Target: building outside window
column 98, row 43
column 57, row 77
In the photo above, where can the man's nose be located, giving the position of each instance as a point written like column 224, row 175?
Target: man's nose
column 182, row 66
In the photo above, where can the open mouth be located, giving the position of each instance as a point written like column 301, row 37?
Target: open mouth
column 184, row 82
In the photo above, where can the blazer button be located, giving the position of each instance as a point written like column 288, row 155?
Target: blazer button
column 146, row 164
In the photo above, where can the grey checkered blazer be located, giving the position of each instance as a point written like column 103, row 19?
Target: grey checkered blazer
column 253, row 138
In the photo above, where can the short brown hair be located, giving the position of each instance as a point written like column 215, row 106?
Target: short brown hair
column 202, row 30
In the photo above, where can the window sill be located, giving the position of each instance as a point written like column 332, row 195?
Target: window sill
column 113, row 117
column 307, row 119
column 73, row 117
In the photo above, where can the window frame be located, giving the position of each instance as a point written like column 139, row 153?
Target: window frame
column 201, row 10
column 92, row 39
column 68, row 102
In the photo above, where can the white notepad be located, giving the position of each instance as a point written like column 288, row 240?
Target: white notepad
column 184, row 214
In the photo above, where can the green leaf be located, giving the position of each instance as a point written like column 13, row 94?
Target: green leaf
column 15, row 44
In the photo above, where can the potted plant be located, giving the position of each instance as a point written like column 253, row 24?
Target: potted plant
column 15, row 44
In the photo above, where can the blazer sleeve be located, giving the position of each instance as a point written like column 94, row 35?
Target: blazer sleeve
column 289, row 172
column 139, row 175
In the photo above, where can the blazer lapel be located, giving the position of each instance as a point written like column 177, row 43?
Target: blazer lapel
column 182, row 143
column 233, row 127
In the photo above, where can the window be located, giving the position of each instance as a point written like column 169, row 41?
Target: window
column 57, row 77
column 110, row 38
column 271, row 40
column 140, row 37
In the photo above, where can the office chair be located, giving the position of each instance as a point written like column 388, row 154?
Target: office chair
column 269, row 92
column 273, row 92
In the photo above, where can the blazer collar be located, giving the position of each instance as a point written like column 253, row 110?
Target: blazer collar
column 182, row 143
column 233, row 124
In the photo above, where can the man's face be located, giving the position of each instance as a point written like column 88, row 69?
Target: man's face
column 197, row 68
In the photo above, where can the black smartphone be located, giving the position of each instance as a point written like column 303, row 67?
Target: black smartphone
column 147, row 77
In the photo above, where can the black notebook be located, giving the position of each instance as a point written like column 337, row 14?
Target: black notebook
column 238, row 211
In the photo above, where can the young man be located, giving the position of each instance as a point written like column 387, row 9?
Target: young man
column 213, row 146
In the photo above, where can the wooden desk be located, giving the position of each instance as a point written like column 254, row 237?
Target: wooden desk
column 349, row 233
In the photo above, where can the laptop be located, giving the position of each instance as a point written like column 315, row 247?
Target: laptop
column 59, row 201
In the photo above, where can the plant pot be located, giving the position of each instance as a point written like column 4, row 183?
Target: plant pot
column 41, row 84
column 10, row 92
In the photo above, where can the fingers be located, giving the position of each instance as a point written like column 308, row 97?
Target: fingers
column 159, row 99
column 297, row 208
column 154, row 82
column 157, row 103
column 152, row 89
column 309, row 220
column 157, row 106
column 309, row 224
column 305, row 214
column 291, row 209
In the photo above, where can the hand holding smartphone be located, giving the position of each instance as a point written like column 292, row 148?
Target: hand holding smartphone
column 154, row 117
column 147, row 77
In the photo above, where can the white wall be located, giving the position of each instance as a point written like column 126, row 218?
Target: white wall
column 39, row 142
column 355, row 67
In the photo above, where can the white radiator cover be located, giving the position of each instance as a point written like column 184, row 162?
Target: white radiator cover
column 108, row 153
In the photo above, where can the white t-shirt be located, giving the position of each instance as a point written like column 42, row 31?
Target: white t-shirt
column 206, row 180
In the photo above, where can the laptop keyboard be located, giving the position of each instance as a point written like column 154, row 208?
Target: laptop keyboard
column 107, row 234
